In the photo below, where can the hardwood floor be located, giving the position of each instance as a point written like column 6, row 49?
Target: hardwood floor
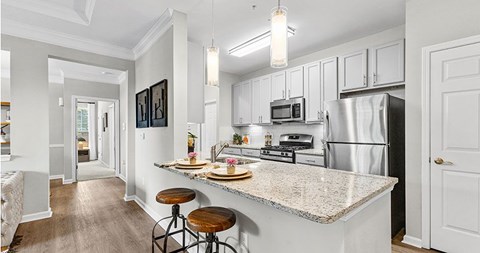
column 91, row 216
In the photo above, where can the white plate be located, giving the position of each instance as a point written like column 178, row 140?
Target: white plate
column 223, row 172
column 187, row 163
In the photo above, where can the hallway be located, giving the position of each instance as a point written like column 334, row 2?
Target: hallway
column 93, row 170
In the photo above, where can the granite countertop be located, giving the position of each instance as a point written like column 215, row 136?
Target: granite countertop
column 316, row 152
column 317, row 194
column 252, row 146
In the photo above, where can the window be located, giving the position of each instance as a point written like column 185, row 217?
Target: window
column 82, row 120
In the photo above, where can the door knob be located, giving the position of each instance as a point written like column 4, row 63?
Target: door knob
column 440, row 161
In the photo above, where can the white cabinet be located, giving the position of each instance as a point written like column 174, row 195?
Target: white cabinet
column 329, row 80
column 242, row 103
column 278, row 86
column 295, row 82
column 261, row 98
column 313, row 92
column 353, row 71
column 310, row 160
column 387, row 63
column 320, row 85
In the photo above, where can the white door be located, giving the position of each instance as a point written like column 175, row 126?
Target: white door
column 278, row 86
column 329, row 81
column 387, row 63
column 246, row 103
column 313, row 92
column 266, row 98
column 237, row 92
column 455, row 138
column 257, row 100
column 295, row 82
column 353, row 71
column 210, row 126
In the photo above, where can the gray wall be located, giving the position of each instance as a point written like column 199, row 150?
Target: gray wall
column 29, row 94
column 428, row 22
column 166, row 59
column 73, row 87
column 56, row 129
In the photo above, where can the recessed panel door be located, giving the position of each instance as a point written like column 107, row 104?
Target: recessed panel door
column 455, row 149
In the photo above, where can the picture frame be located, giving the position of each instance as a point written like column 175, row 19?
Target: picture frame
column 142, row 108
column 159, row 104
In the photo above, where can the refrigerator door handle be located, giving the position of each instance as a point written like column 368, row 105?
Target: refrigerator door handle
column 326, row 126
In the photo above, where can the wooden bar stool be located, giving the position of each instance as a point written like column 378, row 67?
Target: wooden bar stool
column 211, row 220
column 173, row 196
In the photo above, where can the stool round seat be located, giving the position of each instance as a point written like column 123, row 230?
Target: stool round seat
column 175, row 196
column 211, row 219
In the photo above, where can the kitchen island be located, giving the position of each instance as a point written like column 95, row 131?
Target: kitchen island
column 298, row 208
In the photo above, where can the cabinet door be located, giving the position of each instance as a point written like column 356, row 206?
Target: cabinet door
column 312, row 92
column 295, row 82
column 387, row 63
column 353, row 71
column 329, row 81
column 257, row 100
column 246, row 103
column 278, row 86
column 265, row 98
column 236, row 93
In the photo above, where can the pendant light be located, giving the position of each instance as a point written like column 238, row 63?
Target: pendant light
column 212, row 60
column 279, row 37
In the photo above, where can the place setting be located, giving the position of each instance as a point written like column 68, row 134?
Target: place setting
column 230, row 172
column 191, row 163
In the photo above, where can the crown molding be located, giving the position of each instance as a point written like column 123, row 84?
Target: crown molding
column 158, row 29
column 81, row 13
column 17, row 29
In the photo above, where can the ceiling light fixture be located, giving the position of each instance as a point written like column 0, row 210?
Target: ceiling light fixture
column 261, row 41
column 279, row 43
column 213, row 60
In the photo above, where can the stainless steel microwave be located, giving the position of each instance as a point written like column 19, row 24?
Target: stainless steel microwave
column 288, row 110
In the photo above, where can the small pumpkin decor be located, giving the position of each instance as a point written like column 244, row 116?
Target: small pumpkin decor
column 231, row 163
column 193, row 157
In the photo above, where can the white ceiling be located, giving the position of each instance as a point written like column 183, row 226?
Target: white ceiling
column 123, row 23
column 59, row 69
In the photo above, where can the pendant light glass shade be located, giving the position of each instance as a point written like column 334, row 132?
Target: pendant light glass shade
column 279, row 37
column 212, row 66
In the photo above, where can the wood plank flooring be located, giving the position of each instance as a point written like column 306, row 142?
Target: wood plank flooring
column 91, row 216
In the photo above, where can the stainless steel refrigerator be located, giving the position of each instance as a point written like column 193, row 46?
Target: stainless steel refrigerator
column 367, row 135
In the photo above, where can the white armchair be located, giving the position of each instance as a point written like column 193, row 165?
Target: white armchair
column 12, row 205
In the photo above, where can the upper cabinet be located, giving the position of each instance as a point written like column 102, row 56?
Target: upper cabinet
column 295, row 82
column 278, row 86
column 261, row 98
column 242, row 103
column 353, row 71
column 321, row 85
column 387, row 63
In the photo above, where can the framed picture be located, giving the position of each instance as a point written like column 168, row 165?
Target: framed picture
column 142, row 109
column 159, row 104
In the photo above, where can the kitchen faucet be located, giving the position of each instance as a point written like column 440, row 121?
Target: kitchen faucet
column 213, row 151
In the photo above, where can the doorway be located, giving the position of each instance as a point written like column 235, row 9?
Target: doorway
column 96, row 139
column 451, row 146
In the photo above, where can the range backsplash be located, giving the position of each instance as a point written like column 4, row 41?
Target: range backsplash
column 257, row 133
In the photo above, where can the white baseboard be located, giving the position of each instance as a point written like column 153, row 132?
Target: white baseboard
column 413, row 241
column 67, row 181
column 37, row 216
column 129, row 198
column 56, row 177
column 122, row 177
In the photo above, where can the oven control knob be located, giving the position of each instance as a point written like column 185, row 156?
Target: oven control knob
column 282, row 153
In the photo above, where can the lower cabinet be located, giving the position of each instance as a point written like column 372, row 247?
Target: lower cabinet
column 251, row 152
column 232, row 151
column 255, row 153
column 310, row 160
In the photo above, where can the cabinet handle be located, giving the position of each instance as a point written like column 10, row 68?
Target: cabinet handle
column 310, row 161
column 364, row 80
column 261, row 119
column 318, row 115
column 283, row 94
column 289, row 93
column 374, row 77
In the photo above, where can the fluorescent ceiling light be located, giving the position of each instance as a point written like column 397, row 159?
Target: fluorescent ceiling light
column 255, row 44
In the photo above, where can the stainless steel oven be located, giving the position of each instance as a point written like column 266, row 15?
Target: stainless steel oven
column 288, row 110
